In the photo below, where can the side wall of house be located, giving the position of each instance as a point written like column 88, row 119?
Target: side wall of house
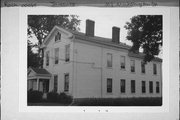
column 91, row 73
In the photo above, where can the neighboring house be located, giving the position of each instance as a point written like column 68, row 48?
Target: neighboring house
column 84, row 66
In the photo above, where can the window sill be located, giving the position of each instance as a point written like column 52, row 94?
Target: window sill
column 123, row 69
column 109, row 67
column 66, row 62
column 133, row 72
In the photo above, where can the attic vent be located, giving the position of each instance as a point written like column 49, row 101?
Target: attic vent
column 58, row 37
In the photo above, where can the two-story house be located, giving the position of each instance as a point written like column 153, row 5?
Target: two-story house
column 84, row 65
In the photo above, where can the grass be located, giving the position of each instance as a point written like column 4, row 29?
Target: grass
column 117, row 102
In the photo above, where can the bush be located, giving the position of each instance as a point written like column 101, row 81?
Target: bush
column 64, row 98
column 34, row 96
column 117, row 101
column 52, row 96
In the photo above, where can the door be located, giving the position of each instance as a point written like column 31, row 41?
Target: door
column 45, row 86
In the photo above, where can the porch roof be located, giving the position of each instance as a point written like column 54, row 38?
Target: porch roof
column 38, row 72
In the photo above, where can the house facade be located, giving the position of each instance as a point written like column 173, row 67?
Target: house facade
column 86, row 66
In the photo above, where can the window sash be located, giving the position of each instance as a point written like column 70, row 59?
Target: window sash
column 143, row 67
column 109, row 60
column 58, row 37
column 132, row 65
column 47, row 58
column 133, row 86
column 150, row 87
column 67, row 53
column 66, row 82
column 109, row 85
column 123, row 86
column 154, row 69
column 122, row 62
column 157, row 87
column 56, row 61
column 143, row 86
column 55, row 82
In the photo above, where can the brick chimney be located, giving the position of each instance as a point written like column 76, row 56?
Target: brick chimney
column 115, row 34
column 90, row 27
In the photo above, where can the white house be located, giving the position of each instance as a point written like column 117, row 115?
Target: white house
column 84, row 66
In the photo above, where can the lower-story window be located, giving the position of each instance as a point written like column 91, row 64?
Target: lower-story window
column 143, row 86
column 157, row 87
column 133, row 86
column 66, row 82
column 109, row 85
column 150, row 87
column 123, row 86
column 55, row 82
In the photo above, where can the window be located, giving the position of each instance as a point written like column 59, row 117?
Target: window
column 67, row 53
column 154, row 69
column 143, row 67
column 56, row 55
column 132, row 65
column 157, row 87
column 109, row 85
column 47, row 58
column 66, row 82
column 123, row 86
column 150, row 87
column 133, row 86
column 143, row 86
column 122, row 59
column 55, row 83
column 58, row 37
column 109, row 60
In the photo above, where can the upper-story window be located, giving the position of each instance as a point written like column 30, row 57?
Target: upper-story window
column 154, row 69
column 122, row 60
column 58, row 37
column 109, row 60
column 143, row 67
column 67, row 53
column 47, row 58
column 132, row 65
column 56, row 55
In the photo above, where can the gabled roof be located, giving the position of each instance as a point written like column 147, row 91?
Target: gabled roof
column 40, row 71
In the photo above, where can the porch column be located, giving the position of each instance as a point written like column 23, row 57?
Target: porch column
column 37, row 88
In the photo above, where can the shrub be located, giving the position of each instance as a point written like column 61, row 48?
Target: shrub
column 117, row 102
column 64, row 98
column 34, row 96
column 52, row 96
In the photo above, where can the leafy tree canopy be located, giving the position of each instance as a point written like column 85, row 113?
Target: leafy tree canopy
column 145, row 31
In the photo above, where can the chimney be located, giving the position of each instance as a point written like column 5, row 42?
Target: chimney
column 115, row 34
column 89, row 28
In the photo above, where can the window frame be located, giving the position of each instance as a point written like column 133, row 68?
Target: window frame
column 109, row 85
column 132, row 65
column 122, row 85
column 157, row 87
column 66, row 82
column 56, row 58
column 67, row 53
column 143, row 85
column 58, row 37
column 150, row 87
column 109, row 60
column 122, row 62
column 55, row 88
column 143, row 67
column 154, row 69
column 133, row 86
column 47, row 57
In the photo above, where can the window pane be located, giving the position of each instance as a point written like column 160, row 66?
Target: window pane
column 58, row 36
column 143, row 67
column 67, row 53
column 150, row 86
column 132, row 65
column 56, row 55
column 109, row 85
column 122, row 62
column 66, row 82
column 157, row 87
column 47, row 58
column 109, row 60
column 143, row 86
column 133, row 87
column 154, row 69
column 123, row 86
column 55, row 82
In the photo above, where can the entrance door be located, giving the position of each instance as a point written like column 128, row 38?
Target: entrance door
column 45, row 86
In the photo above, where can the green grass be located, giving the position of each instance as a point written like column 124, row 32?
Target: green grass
column 117, row 102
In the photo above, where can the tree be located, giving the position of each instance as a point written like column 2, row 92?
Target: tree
column 41, row 25
column 145, row 31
